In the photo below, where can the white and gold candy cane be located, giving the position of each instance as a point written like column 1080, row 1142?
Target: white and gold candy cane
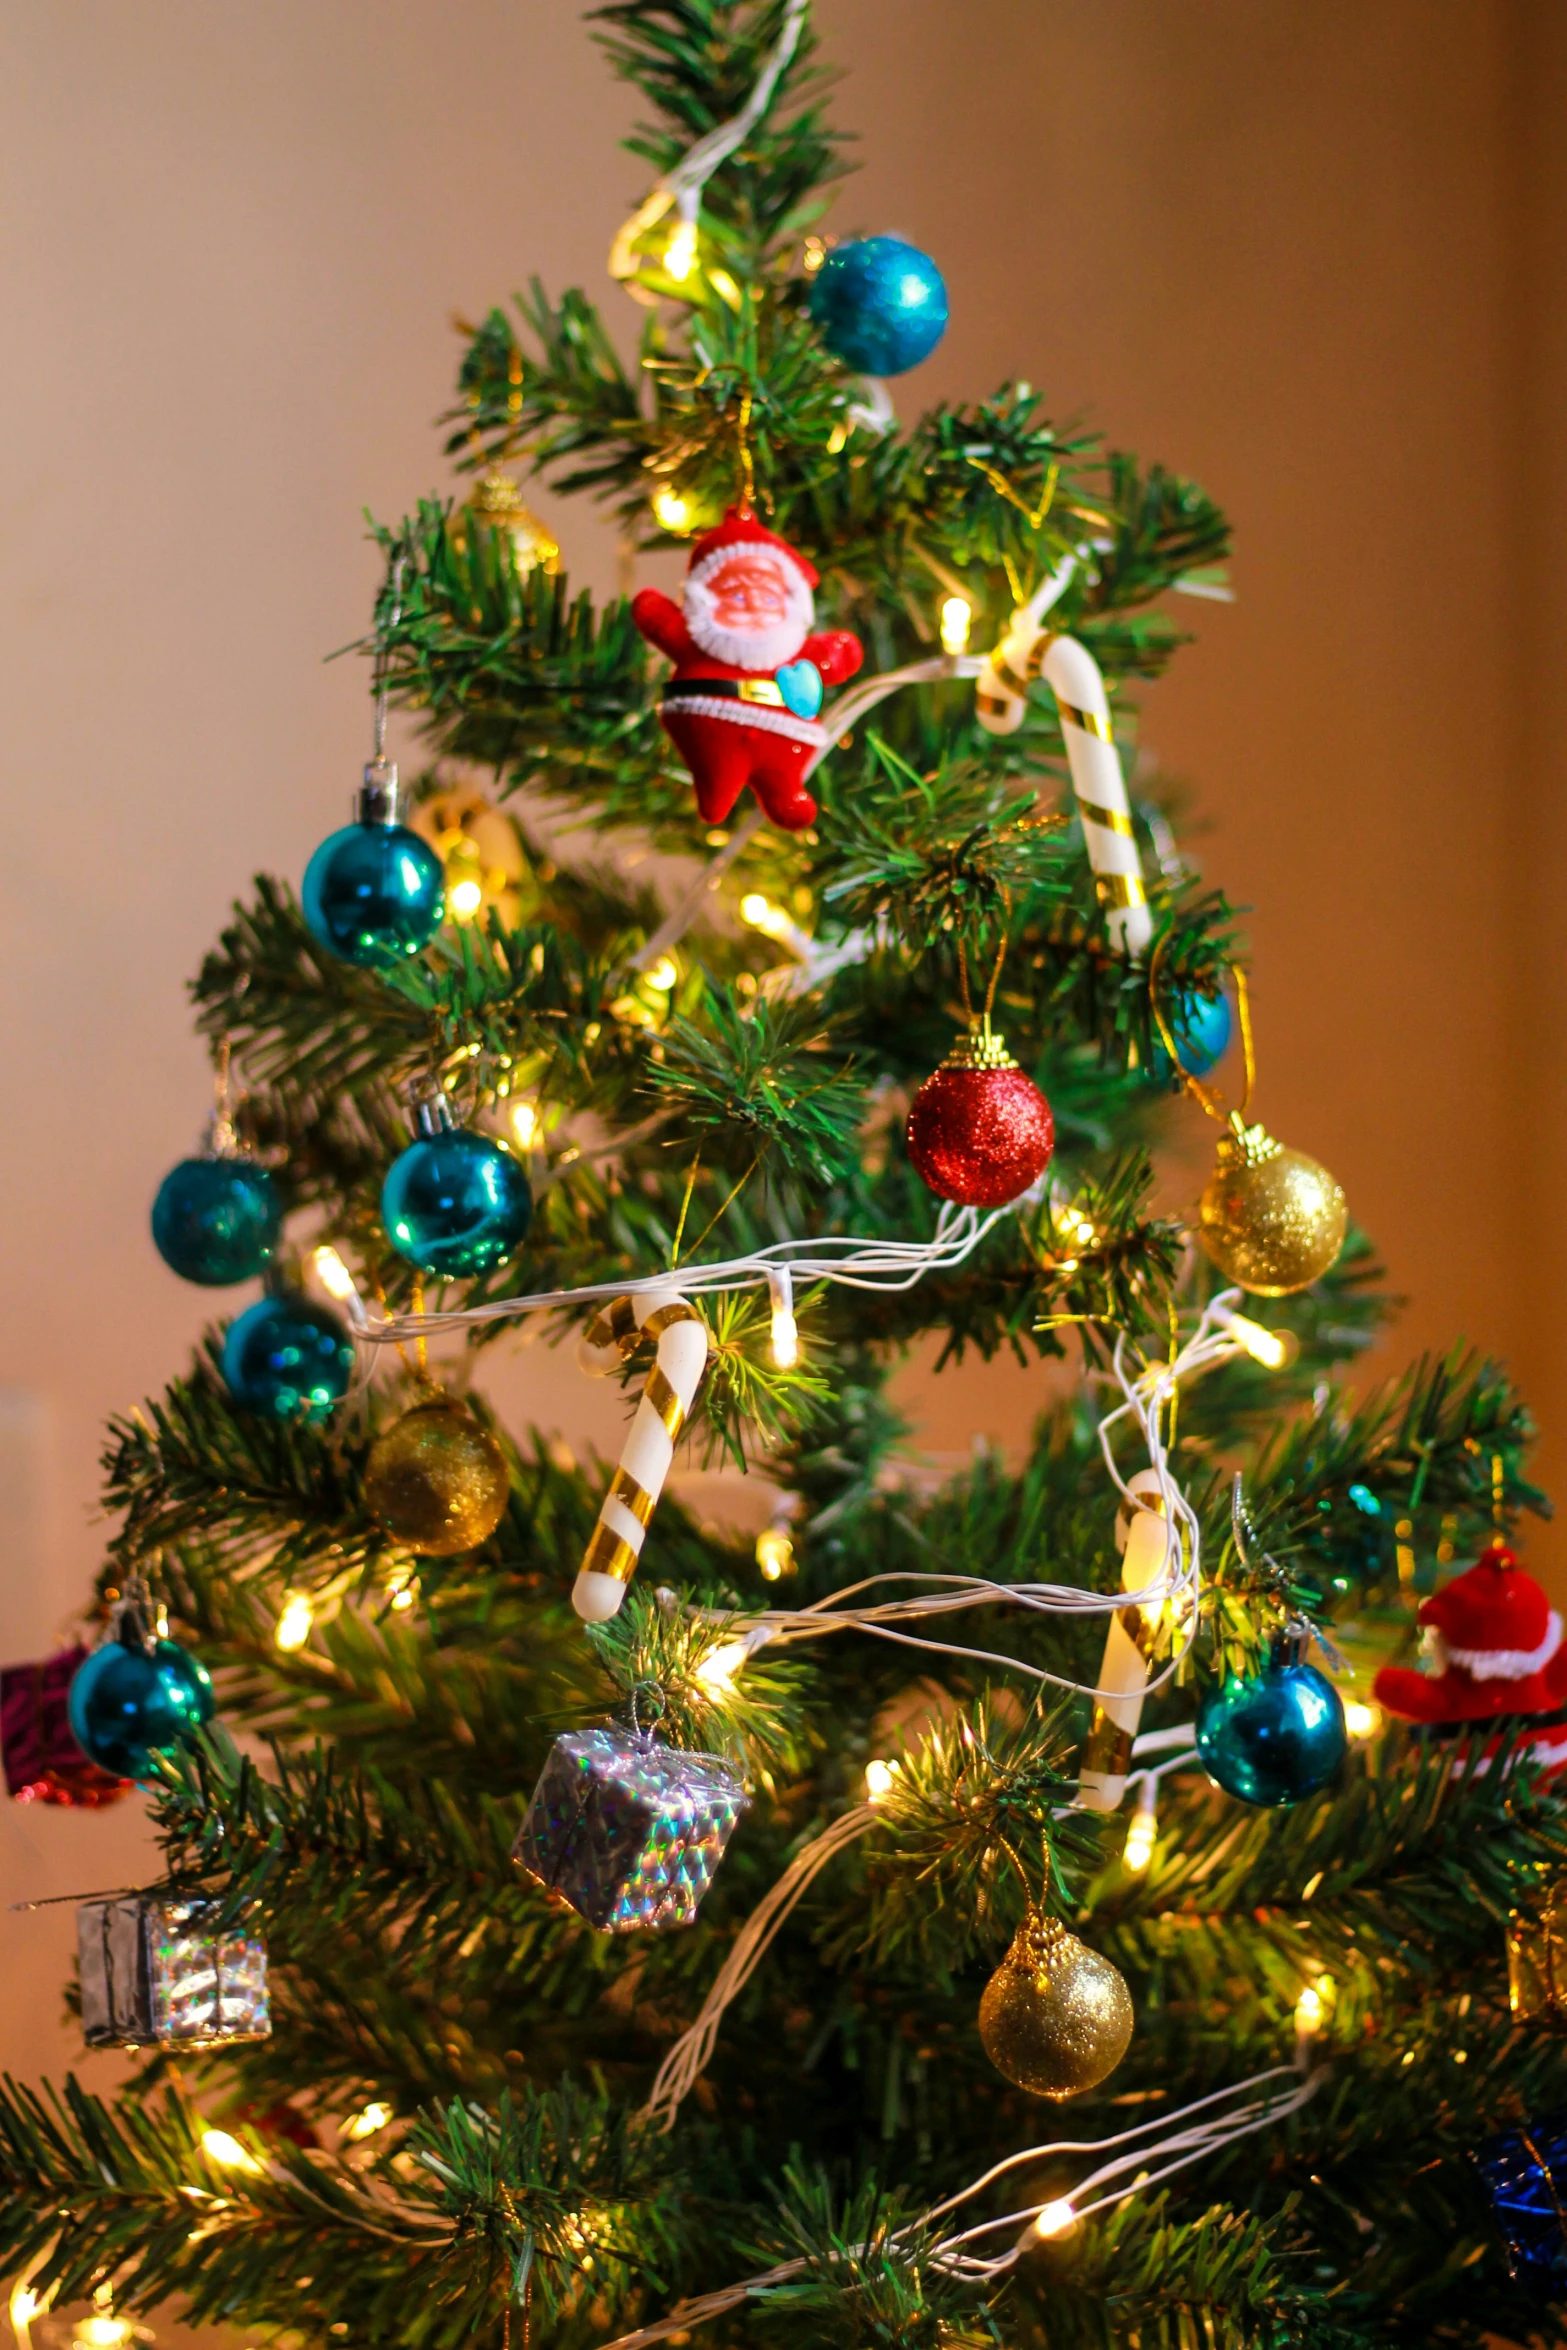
column 610, row 1560
column 1142, row 1535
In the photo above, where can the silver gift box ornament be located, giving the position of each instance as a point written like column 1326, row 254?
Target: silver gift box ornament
column 627, row 1830
column 157, row 1972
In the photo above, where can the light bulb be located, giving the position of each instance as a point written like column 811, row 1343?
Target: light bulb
column 293, row 1629
column 333, row 1274
column 786, row 1334
column 465, row 898
column 219, row 2147
column 1140, row 1836
column 401, row 1589
column 671, row 511
column 100, row 2332
column 771, row 920
column 774, row 1553
column 1362, row 1721
column 719, row 1669
column 680, row 252
column 364, row 2125
column 956, row 614
column 524, row 1123
column 663, row 975
column 1056, row 2219
column 879, row 1777
column 1274, row 1349
column 25, row 2306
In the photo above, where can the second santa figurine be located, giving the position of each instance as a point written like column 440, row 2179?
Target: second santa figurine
column 742, row 705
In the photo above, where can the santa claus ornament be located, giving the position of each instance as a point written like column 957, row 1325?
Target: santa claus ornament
column 742, row 705
column 1495, row 1643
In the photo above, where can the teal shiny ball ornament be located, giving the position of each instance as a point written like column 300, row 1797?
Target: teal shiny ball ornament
column 289, row 1358
column 216, row 1220
column 1202, row 1029
column 1274, row 1737
column 374, row 894
column 879, row 305
column 127, row 1702
column 455, row 1203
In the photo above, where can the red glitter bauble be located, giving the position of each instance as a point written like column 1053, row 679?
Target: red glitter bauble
column 980, row 1131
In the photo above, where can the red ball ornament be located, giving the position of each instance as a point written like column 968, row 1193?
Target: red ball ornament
column 980, row 1131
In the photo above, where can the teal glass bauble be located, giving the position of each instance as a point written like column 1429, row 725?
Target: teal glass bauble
column 879, row 305
column 127, row 1703
column 216, row 1220
column 1272, row 1737
column 288, row 1357
column 455, row 1203
column 374, row 894
column 1202, row 1028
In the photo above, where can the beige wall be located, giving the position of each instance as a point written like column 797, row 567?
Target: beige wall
column 1309, row 251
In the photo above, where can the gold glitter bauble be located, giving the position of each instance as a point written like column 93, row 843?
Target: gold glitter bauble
column 436, row 1480
column 482, row 851
column 1270, row 1218
column 1056, row 2017
column 497, row 504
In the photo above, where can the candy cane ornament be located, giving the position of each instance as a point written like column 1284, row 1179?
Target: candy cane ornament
column 1142, row 1535
column 610, row 1560
column 1028, row 650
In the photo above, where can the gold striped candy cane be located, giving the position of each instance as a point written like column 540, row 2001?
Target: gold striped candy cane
column 1143, row 1538
column 610, row 1560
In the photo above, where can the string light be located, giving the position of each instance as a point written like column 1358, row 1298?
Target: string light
column 718, row 1670
column 1140, row 1835
column 1310, row 2014
column 25, row 2305
column 680, row 252
column 464, row 899
column 524, row 1123
column 671, row 511
column 1055, row 2220
column 956, row 615
column 293, row 1628
column 1274, row 1349
column 786, row 1333
column 333, row 1274
column 401, row 1588
column 364, row 2125
column 774, row 1553
column 879, row 1777
column 219, row 2147
column 1362, row 1721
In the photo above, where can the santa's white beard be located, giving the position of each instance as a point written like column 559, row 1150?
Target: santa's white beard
column 763, row 646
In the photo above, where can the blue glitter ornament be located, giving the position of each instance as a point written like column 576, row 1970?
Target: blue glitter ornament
column 454, row 1203
column 289, row 1358
column 136, row 1696
column 1202, row 1029
column 375, row 893
column 879, row 304
column 1525, row 2172
column 1276, row 1737
column 216, row 1220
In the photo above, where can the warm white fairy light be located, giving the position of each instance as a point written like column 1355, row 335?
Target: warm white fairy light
column 464, row 899
column 1274, row 1349
column 785, row 1330
column 402, row 1589
column 524, row 1123
column 333, row 1274
column 375, row 2116
column 219, row 2147
column 293, row 1625
column 1055, row 2220
column 1141, row 1834
column 680, row 252
column 774, row 1553
column 879, row 1778
column 1361, row 1720
column 718, row 1669
column 671, row 511
column 957, row 615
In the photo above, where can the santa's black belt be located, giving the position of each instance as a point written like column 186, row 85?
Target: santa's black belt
column 725, row 689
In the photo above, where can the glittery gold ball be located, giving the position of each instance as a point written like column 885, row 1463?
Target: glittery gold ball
column 1056, row 2017
column 1270, row 1218
column 436, row 1480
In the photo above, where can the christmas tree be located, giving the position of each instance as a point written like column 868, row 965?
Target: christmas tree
column 580, row 1926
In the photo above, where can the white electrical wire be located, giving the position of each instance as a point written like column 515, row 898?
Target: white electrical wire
column 1224, row 2124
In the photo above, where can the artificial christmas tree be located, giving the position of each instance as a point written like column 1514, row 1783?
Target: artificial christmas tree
column 630, row 1968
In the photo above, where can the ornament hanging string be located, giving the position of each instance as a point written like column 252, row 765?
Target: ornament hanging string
column 382, row 675
column 1209, row 1096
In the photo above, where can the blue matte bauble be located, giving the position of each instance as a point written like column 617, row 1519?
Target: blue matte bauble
column 125, row 1705
column 374, row 894
column 879, row 304
column 1274, row 1738
column 289, row 1358
column 216, row 1220
column 1202, row 1029
column 456, row 1203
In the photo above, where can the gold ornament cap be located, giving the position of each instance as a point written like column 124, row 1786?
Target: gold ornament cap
column 437, row 1481
column 981, row 1048
column 1537, row 1963
column 1270, row 1218
column 497, row 504
column 1056, row 2018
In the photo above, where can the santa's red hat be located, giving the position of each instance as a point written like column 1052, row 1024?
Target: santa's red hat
column 741, row 528
column 1496, row 1645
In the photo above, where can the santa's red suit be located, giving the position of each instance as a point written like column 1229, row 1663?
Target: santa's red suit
column 741, row 705
column 1496, row 1643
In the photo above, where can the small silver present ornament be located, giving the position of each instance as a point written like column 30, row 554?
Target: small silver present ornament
column 157, row 1972
column 627, row 1830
